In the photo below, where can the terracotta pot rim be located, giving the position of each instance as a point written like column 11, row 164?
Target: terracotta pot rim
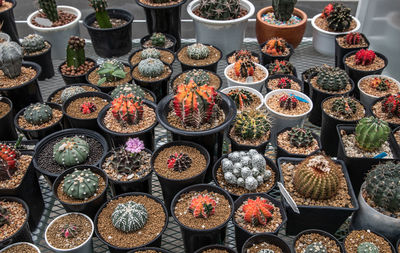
column 296, row 11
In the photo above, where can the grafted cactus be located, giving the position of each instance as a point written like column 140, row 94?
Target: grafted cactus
column 241, row 97
column 275, row 46
column 33, row 43
column 69, row 230
column 102, row 17
column 127, row 109
column 49, row 7
column 179, row 162
column 283, row 9
column 88, row 107
column 338, row 17
column 380, row 84
column 288, row 102
column 244, row 68
column 37, row 114
column 11, row 59
column 258, row 211
column 8, row 161
column 202, row 206
column 365, row 57
column 391, row 105
column 281, row 67
column 75, row 52
column 353, row 38
column 219, row 9
column 284, row 83
column 242, row 54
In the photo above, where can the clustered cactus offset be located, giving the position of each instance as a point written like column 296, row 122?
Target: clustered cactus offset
column 102, row 17
column 111, row 71
column 300, row 137
column 4, row 216
column 241, row 97
column 367, row 247
column 11, row 59
column 380, row 84
column 128, row 109
column 346, row 106
column 252, row 125
column 129, row 216
column 338, row 17
column 391, row 105
column 288, row 102
column 158, row 39
column 258, row 211
column 151, row 67
column 244, row 68
column 8, row 161
column 371, row 133
column 33, row 43
column 81, row 184
column 38, row 114
column 275, row 47
column 219, row 9
column 197, row 51
column 199, row 76
column 284, row 83
column 126, row 89
column 179, row 162
column 283, row 9
column 202, row 206
column 88, row 107
column 71, row 151
column 281, row 67
column 353, row 38
column 150, row 52
column 365, row 57
column 332, row 79
column 76, row 52
column 49, row 8
column 316, row 247
column 69, row 230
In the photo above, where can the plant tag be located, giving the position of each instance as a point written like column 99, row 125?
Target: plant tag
column 299, row 98
column 288, row 198
column 249, row 79
column 43, row 21
column 381, row 155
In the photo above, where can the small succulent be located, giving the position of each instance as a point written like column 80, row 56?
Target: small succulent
column 8, row 161
column 199, row 76
column 179, row 162
column 367, row 247
column 332, row 79
column 219, row 9
column 281, row 67
column 69, row 230
column 197, row 51
column 158, row 39
column 33, row 43
column 258, row 211
column 111, row 71
column 338, row 17
column 38, row 114
column 284, row 83
column 202, row 206
column 128, row 109
column 241, row 97
column 365, row 57
column 316, row 247
column 70, row 91
column 391, row 105
column 11, row 59
column 71, row 151
column 371, row 133
column 129, row 216
column 126, row 89
column 353, row 38
column 288, row 102
column 151, row 67
column 76, row 52
column 380, row 84
column 88, row 107
column 80, row 184
column 275, row 47
column 244, row 68
column 283, row 9
column 345, row 106
column 49, row 7
column 300, row 137
column 150, row 52
column 252, row 125
column 4, row 216
column 102, row 17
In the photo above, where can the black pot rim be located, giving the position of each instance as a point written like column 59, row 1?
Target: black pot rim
column 384, row 58
column 245, row 145
column 186, row 71
column 183, row 143
column 90, row 15
column 144, row 89
column 264, row 235
column 204, row 186
column 395, row 130
column 42, row 53
column 355, row 48
column 253, row 53
column 167, row 35
column 316, row 231
column 215, row 246
column 26, row 207
column 378, row 100
column 198, row 66
column 290, row 46
column 160, row 7
column 14, row 4
column 98, row 235
column 331, row 94
column 112, row 87
column 344, row 121
column 155, row 81
column 371, row 231
column 35, row 66
column 86, row 59
column 150, row 248
column 292, row 154
column 58, row 180
column 291, row 77
column 141, row 49
column 9, row 102
column 69, row 85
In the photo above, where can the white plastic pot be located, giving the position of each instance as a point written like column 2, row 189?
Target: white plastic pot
column 86, row 247
column 324, row 41
column 255, row 85
column 251, row 90
column 58, row 36
column 279, row 121
column 19, row 243
column 367, row 99
column 227, row 35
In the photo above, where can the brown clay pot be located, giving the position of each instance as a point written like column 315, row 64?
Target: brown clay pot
column 292, row 34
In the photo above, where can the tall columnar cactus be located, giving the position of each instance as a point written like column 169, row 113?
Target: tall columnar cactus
column 275, row 46
column 202, row 206
column 391, row 105
column 69, row 230
column 338, row 17
column 252, row 125
column 353, row 38
column 8, row 161
column 150, row 52
column 315, row 247
column 316, row 177
column 244, row 68
column 179, row 162
column 158, row 39
column 346, row 106
column 193, row 104
column 288, row 102
column 380, row 84
column 284, row 83
column 283, row 9
column 365, row 57
column 241, row 97
column 70, row 91
column 71, row 151
column 4, row 216
column 76, row 52
column 33, row 43
column 151, row 67
column 111, row 71
column 129, row 216
column 88, row 107
column 219, row 9
column 367, row 247
column 332, row 79
column 382, row 186
column 49, row 7
column 258, row 211
column 127, row 109
column 126, row 89
column 197, row 51
column 38, row 114
column 300, row 137
column 80, row 184
column 371, row 133
column 102, row 17
column 11, row 59
column 199, row 76
column 281, row 67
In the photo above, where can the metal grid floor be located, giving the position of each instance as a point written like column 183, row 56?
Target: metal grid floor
column 303, row 58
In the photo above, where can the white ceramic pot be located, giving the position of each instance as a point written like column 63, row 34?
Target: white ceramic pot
column 367, row 99
column 85, row 247
column 255, row 85
column 58, row 36
column 251, row 90
column 19, row 243
column 324, row 41
column 227, row 35
column 279, row 121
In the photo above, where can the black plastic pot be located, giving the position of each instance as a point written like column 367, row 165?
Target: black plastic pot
column 89, row 207
column 398, row 245
column 194, row 239
column 165, row 19
column 49, row 176
column 379, row 100
column 241, row 234
column 358, row 167
column 280, row 152
column 173, row 48
column 23, row 234
column 270, row 75
column 327, row 218
column 170, row 187
column 253, row 53
column 106, row 89
column 8, row 20
column 43, row 132
column 341, row 51
column 393, row 250
column 111, row 42
column 306, row 85
column 268, row 238
column 45, row 62
column 84, row 123
column 74, row 79
column 267, row 58
column 7, row 129
column 150, row 248
column 211, row 139
column 171, row 83
column 64, row 87
column 235, row 146
column 270, row 163
column 212, row 67
column 291, row 77
column 158, row 87
column 26, row 93
column 159, row 49
column 216, row 247
column 320, row 232
column 156, row 242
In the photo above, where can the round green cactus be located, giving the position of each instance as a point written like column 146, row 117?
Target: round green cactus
column 316, row 247
column 111, row 71
column 252, row 125
column 150, row 53
column 71, row 151
column 10, row 59
column 81, row 184
column 38, row 114
column 158, row 39
column 197, row 51
column 371, row 133
column 129, row 216
column 367, row 247
column 151, row 67
column 126, row 89
column 199, row 76
column 332, row 79
column 33, row 43
column 70, row 91
column 300, row 137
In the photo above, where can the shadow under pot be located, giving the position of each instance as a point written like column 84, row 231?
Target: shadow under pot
column 170, row 42
column 8, row 20
column 25, row 93
column 44, row 161
column 76, row 78
column 355, row 238
column 342, row 47
column 179, row 164
column 314, row 213
column 262, row 241
column 111, row 42
column 268, row 58
column 19, row 221
column 241, row 233
column 112, row 234
column 78, row 177
column 275, row 82
column 214, row 79
column 208, row 63
column 316, row 237
column 7, row 130
column 230, row 59
column 41, row 130
column 216, row 248
column 44, row 60
column 198, row 232
column 377, row 111
column 151, row 249
column 285, row 147
column 82, row 110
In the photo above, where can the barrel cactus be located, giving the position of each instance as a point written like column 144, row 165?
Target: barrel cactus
column 202, row 206
column 338, row 17
column 283, row 9
column 11, row 59
column 129, row 216
column 282, row 67
column 126, row 89
column 80, row 184
column 49, row 7
column 365, row 57
column 198, row 76
column 8, row 161
column 244, row 68
column 241, row 97
column 371, row 133
column 391, row 105
column 179, row 162
column 76, row 52
column 102, row 17
column 111, row 71
column 332, row 79
column 150, row 53
column 367, row 247
column 219, row 9
column 197, row 51
column 71, row 151
column 128, row 109
column 70, row 91
column 258, row 211
column 151, row 67
column 4, row 216
column 300, row 137
column 38, row 114
column 158, row 39
column 252, row 125
column 33, row 43
column 316, row 247
column 288, row 102
column 345, row 106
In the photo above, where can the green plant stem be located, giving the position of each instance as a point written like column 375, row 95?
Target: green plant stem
column 103, row 19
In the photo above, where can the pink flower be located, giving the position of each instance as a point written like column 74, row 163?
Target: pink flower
column 134, row 145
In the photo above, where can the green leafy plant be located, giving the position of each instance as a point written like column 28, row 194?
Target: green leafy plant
column 111, row 71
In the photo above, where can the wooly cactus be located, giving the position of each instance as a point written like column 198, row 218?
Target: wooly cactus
column 49, row 7
column 198, row 76
column 102, row 17
column 219, row 9
column 81, row 184
column 371, row 133
column 332, row 79
column 76, row 52
column 300, row 137
column 126, row 89
column 33, row 43
column 150, row 53
column 70, row 91
column 38, row 114
column 179, row 162
column 151, row 67
column 367, row 247
column 129, row 216
column 316, row 247
column 347, row 107
column 11, row 59
column 283, row 9
column 158, row 39
column 111, row 71
column 202, row 206
column 4, row 216
column 258, row 211
column 71, row 151
column 128, row 109
column 252, row 125
column 8, row 161
column 197, row 51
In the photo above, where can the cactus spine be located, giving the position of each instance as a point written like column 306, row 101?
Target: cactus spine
column 126, row 89
column 81, row 184
column 371, row 133
column 8, row 161
column 252, row 125
column 11, row 59
column 33, row 43
column 129, row 216
column 241, row 97
column 158, row 39
column 75, row 52
column 38, row 114
column 151, row 67
column 128, row 109
column 71, row 151
column 219, row 9
column 49, row 7
column 283, row 9
column 300, row 137
column 202, row 206
column 258, row 211
column 332, row 79
column 102, row 17
column 197, row 51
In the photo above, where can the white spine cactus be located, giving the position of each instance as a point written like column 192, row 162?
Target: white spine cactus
column 151, row 67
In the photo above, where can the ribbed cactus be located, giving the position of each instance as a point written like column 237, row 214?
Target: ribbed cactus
column 244, row 68
column 158, row 39
column 371, row 133
column 332, row 79
column 4, row 216
column 345, row 106
column 49, row 7
column 315, row 247
column 219, row 9
column 126, row 89
column 150, row 52
column 194, row 104
column 199, row 76
column 288, row 102
column 275, row 46
column 71, row 151
column 380, row 84
column 367, row 247
column 391, row 105
column 88, row 107
column 8, row 161
column 38, row 114
column 124, row 161
column 353, row 38
column 241, row 97
column 202, row 206
column 75, row 52
column 338, row 17
column 111, row 71
column 280, row 67
column 300, row 137
column 365, row 57
column 102, row 17
column 283, row 9
column 33, row 43
column 70, row 91
column 129, row 216
column 151, row 67
column 242, row 54
column 284, row 83
column 11, row 59
column 258, row 211
column 251, row 125
column 197, row 51
column 316, row 177
column 80, row 184
column 128, row 109
column 382, row 186
column 179, row 162
column 69, row 230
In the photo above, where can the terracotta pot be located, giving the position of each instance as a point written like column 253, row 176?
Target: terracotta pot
column 292, row 34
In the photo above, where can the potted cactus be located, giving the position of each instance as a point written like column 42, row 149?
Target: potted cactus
column 8, row 25
column 284, row 81
column 199, row 76
column 159, row 40
column 346, row 43
column 162, row 54
column 275, row 49
column 199, row 56
column 246, row 73
column 236, row 55
column 60, row 95
column 56, row 24
column 367, row 241
column 373, row 87
column 226, row 19
column 386, row 108
column 281, row 67
column 245, row 98
column 17, row 247
column 7, row 131
column 315, row 240
column 265, row 242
